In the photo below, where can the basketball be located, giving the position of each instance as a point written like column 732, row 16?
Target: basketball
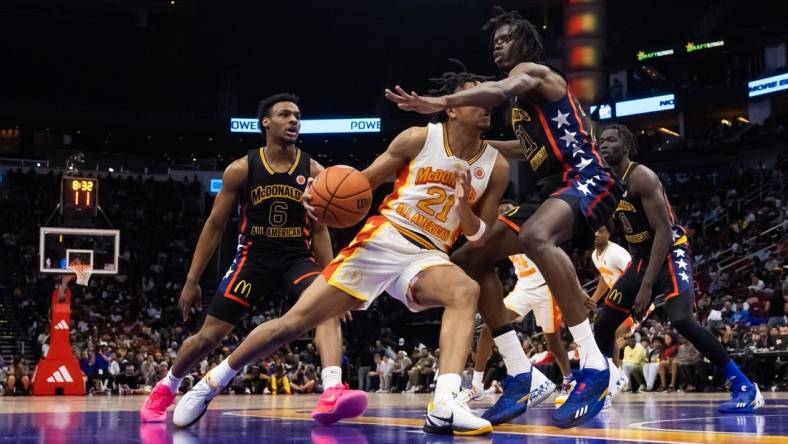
column 341, row 196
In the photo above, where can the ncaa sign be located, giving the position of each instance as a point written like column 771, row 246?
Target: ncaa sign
column 647, row 105
column 314, row 126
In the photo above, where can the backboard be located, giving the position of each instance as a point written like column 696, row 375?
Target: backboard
column 59, row 246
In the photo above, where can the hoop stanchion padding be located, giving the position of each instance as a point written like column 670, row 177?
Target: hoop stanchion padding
column 59, row 372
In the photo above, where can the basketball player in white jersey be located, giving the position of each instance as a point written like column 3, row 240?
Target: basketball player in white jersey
column 611, row 260
column 445, row 176
column 529, row 293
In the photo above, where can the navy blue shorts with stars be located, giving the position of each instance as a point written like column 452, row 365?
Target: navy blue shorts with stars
column 593, row 196
column 674, row 279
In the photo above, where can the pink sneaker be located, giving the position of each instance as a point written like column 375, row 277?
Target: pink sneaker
column 155, row 407
column 339, row 402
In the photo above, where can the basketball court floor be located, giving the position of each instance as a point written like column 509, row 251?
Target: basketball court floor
column 391, row 418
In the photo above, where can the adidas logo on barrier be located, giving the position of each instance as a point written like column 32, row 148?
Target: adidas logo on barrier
column 62, row 325
column 61, row 375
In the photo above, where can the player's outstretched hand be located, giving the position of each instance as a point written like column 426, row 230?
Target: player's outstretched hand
column 191, row 295
column 306, row 199
column 415, row 102
column 346, row 317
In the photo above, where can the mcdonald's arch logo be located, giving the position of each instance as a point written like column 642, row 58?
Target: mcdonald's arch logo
column 243, row 288
column 615, row 296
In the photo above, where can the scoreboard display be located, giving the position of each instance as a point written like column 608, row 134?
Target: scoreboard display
column 79, row 197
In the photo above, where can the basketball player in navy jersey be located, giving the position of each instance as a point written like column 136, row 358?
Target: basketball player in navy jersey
column 661, row 264
column 576, row 194
column 278, row 248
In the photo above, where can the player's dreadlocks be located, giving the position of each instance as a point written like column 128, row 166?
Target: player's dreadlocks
column 526, row 37
column 449, row 82
column 626, row 135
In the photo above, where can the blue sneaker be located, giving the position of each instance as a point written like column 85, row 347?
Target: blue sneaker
column 744, row 399
column 586, row 400
column 519, row 392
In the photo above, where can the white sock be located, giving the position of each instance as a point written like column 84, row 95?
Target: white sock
column 331, row 376
column 513, row 353
column 584, row 337
column 478, row 380
column 171, row 382
column 615, row 373
column 446, row 385
column 222, row 374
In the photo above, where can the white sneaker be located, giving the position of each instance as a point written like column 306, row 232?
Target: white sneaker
column 541, row 388
column 618, row 379
column 470, row 394
column 194, row 403
column 451, row 416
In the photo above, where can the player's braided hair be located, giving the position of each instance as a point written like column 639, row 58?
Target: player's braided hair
column 450, row 81
column 627, row 135
column 527, row 38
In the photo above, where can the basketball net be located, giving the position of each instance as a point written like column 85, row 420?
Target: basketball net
column 83, row 273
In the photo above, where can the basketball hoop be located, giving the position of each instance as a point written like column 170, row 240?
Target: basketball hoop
column 83, row 273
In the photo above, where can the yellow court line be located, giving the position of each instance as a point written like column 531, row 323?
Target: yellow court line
column 631, row 435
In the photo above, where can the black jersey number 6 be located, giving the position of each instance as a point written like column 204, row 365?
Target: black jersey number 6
column 277, row 214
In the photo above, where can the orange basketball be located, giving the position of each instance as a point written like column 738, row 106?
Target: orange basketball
column 341, row 196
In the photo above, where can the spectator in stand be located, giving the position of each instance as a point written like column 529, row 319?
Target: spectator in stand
column 114, row 371
column 365, row 363
column 666, row 362
column 756, row 284
column 374, row 376
column 495, row 370
column 685, row 363
column 87, row 364
column 740, row 314
column 399, row 378
column 633, row 362
column 421, row 373
column 18, row 382
column 386, row 369
column 651, row 369
column 303, row 381
column 729, row 340
column 102, row 369
column 129, row 381
column 777, row 307
column 280, row 383
column 309, row 356
column 574, row 355
column 542, row 359
column 148, row 369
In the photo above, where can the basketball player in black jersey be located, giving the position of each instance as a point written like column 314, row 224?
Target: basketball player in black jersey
column 661, row 264
column 574, row 194
column 279, row 248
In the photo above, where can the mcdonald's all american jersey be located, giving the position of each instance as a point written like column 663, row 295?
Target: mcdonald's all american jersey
column 417, row 226
column 423, row 198
column 274, row 244
column 611, row 263
column 531, row 293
